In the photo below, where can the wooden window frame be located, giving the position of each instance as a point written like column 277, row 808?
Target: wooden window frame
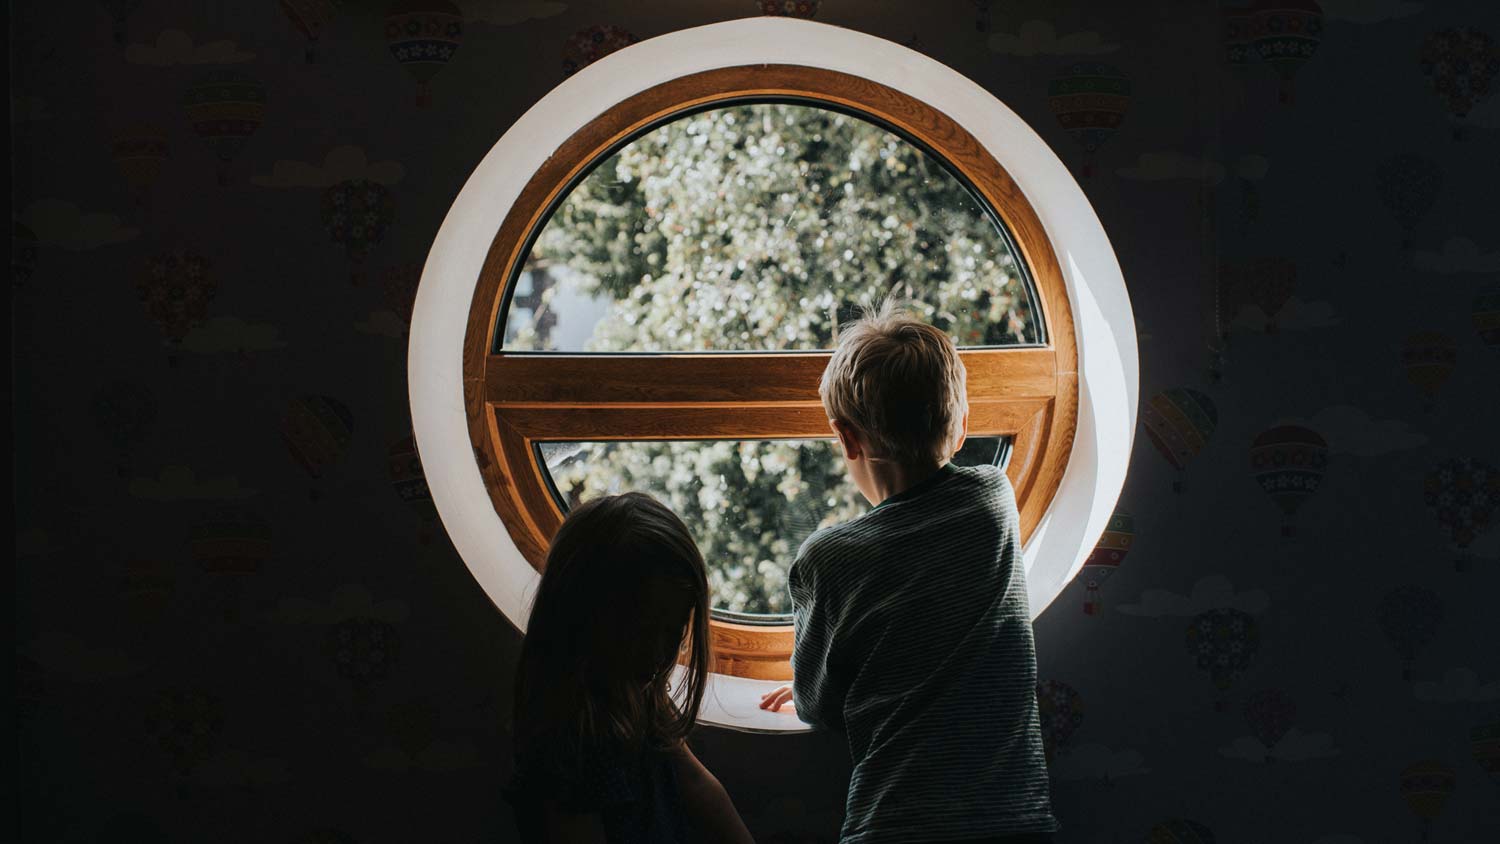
column 514, row 401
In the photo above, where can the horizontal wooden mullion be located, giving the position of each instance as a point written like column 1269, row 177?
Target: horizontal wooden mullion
column 740, row 379
column 805, row 420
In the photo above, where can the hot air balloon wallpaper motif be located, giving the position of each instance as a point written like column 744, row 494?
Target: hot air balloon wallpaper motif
column 225, row 108
column 125, row 414
column 119, row 15
column 1179, row 831
column 789, row 8
column 1237, row 26
column 1408, row 185
column 1460, row 65
column 1428, row 359
column 1409, row 617
column 316, row 431
column 1288, row 462
column 146, row 589
column 1461, row 494
column 423, row 35
column 176, row 287
column 1222, row 642
column 1285, row 35
column 1090, row 100
column 24, row 251
column 1268, row 283
column 1486, row 317
column 363, row 651
column 1426, row 787
column 411, row 484
column 1270, row 714
column 1179, row 422
column 587, row 46
column 186, row 724
column 230, row 545
column 309, row 17
column 1061, row 711
column 356, row 214
column 1106, row 557
column 1484, row 741
column 139, row 151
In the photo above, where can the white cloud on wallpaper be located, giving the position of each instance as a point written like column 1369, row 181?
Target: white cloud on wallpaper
column 341, row 164
column 438, row 756
column 351, row 600
column 181, row 483
column 1295, row 315
column 57, row 222
column 1174, row 166
column 1368, row 11
column 1295, row 746
column 507, row 12
column 79, row 660
column 382, row 324
column 175, row 47
column 1211, row 592
column 1458, row 255
column 236, row 768
column 1350, row 430
column 1096, row 762
column 232, row 334
column 1040, row 38
column 25, row 109
column 1459, row 685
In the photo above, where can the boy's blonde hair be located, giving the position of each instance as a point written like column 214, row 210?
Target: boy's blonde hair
column 900, row 382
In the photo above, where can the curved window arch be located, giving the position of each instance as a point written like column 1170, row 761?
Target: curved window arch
column 531, row 403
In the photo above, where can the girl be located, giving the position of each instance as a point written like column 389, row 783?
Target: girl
column 599, row 726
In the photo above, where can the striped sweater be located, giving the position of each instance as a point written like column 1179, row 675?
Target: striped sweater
column 913, row 637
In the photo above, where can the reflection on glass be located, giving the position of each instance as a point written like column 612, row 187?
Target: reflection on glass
column 761, row 227
column 749, row 503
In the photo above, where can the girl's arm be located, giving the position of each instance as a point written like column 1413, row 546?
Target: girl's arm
column 706, row 803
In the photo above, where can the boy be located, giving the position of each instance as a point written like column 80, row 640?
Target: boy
column 913, row 634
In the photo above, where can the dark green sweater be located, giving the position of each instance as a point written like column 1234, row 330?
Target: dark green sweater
column 913, row 637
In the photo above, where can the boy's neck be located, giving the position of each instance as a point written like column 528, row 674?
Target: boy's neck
column 891, row 479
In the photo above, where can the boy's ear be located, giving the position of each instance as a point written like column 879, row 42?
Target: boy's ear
column 848, row 438
column 963, row 433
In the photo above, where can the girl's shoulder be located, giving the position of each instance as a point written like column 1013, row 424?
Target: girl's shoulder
column 591, row 778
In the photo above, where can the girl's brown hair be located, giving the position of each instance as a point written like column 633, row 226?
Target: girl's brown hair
column 624, row 592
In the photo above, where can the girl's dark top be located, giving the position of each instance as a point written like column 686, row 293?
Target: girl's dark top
column 634, row 794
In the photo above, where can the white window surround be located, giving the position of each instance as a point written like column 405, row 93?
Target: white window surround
column 1108, row 367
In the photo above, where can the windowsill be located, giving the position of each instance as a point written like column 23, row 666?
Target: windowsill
column 734, row 703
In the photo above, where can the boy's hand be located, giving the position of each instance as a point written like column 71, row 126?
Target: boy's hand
column 774, row 699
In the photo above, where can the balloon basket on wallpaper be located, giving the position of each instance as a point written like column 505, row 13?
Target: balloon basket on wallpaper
column 221, row 173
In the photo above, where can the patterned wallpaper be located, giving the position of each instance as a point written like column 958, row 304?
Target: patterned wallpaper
column 239, row 620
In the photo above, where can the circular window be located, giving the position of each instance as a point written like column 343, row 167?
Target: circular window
column 667, row 244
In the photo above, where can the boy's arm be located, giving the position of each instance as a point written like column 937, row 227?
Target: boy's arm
column 816, row 693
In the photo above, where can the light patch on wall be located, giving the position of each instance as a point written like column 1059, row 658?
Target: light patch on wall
column 79, row 661
column 175, row 47
column 1040, row 38
column 1165, row 166
column 342, row 164
column 1368, row 11
column 1459, row 685
column 236, row 768
column 1097, row 762
column 508, row 12
column 351, row 600
column 232, row 334
column 1295, row 746
column 181, row 483
column 1211, row 592
column 1350, row 430
column 57, row 222
column 1295, row 315
column 1458, row 255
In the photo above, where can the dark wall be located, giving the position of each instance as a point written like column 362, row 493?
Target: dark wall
column 221, row 637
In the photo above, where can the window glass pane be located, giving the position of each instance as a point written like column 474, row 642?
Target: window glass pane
column 760, row 227
column 749, row 503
